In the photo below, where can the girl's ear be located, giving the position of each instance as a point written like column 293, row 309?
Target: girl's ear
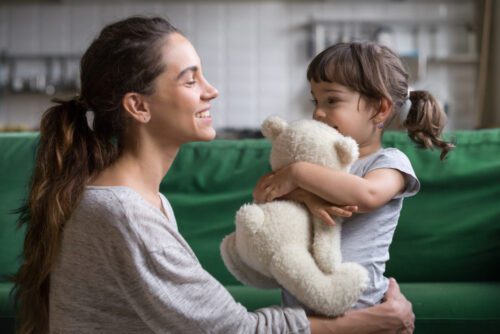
column 136, row 107
column 382, row 111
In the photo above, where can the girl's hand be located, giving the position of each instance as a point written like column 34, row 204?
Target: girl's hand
column 320, row 208
column 273, row 185
column 325, row 211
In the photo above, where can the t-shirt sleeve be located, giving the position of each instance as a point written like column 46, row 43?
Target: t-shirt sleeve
column 395, row 159
column 172, row 293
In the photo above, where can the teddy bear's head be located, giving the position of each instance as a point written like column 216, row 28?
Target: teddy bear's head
column 308, row 140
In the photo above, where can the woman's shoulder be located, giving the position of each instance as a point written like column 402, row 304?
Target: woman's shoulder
column 104, row 201
column 119, row 213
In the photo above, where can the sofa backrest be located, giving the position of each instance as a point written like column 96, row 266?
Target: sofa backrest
column 17, row 154
column 448, row 232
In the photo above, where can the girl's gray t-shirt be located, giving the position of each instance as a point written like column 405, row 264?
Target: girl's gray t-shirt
column 125, row 268
column 366, row 237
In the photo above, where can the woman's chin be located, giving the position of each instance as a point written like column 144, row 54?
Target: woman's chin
column 207, row 135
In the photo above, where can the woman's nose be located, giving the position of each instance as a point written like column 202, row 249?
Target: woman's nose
column 210, row 92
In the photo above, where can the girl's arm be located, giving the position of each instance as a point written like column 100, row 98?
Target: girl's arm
column 318, row 207
column 369, row 192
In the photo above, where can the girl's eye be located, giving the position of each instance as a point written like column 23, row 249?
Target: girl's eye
column 314, row 102
column 332, row 100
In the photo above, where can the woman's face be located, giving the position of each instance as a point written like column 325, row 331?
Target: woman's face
column 180, row 105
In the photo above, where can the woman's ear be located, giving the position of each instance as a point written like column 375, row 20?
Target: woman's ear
column 136, row 107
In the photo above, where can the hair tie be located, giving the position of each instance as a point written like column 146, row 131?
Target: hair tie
column 405, row 109
column 80, row 104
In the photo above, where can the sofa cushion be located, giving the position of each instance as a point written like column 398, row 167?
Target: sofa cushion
column 6, row 302
column 439, row 307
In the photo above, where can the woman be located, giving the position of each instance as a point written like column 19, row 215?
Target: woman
column 102, row 251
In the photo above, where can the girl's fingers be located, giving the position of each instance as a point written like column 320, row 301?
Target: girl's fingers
column 261, row 189
column 326, row 218
column 336, row 211
column 272, row 194
column 351, row 208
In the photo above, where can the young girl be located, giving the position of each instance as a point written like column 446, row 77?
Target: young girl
column 358, row 88
column 102, row 252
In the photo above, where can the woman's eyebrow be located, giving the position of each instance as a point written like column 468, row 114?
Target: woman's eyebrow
column 187, row 69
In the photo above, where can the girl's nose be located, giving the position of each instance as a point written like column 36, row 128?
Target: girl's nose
column 318, row 114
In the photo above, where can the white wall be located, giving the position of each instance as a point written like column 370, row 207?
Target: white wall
column 255, row 53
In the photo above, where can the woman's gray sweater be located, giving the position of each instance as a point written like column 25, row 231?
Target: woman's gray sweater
column 124, row 268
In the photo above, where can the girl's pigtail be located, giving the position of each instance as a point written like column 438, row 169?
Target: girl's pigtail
column 425, row 122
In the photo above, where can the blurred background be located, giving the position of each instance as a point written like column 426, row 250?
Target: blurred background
column 256, row 52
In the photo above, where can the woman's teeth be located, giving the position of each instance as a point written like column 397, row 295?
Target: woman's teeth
column 203, row 114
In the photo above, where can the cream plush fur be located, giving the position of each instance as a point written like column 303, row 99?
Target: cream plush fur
column 279, row 244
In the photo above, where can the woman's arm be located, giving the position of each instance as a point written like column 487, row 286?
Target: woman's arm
column 369, row 192
column 394, row 315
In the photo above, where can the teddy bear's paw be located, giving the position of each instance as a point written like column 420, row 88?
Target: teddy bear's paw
column 250, row 217
column 355, row 274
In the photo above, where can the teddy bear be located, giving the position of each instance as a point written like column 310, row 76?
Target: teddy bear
column 280, row 245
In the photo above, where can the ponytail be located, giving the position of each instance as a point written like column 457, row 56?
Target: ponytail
column 425, row 122
column 69, row 152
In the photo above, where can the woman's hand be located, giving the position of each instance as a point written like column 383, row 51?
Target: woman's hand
column 393, row 316
column 400, row 308
column 273, row 185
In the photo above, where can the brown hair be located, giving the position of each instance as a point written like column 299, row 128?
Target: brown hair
column 376, row 72
column 125, row 57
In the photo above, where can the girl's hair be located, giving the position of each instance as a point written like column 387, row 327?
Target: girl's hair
column 124, row 58
column 376, row 72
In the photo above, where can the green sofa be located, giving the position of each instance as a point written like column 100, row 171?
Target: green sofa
column 445, row 253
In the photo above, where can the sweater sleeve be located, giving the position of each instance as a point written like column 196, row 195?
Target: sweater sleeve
column 171, row 292
column 166, row 286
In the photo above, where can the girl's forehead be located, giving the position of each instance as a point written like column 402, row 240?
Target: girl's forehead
column 325, row 86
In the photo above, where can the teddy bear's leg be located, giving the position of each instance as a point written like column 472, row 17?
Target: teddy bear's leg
column 331, row 294
column 326, row 246
column 239, row 269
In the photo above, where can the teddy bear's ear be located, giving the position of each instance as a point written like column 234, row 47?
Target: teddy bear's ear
column 273, row 126
column 347, row 150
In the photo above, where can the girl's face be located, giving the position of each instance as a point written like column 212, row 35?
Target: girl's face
column 345, row 110
column 180, row 105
